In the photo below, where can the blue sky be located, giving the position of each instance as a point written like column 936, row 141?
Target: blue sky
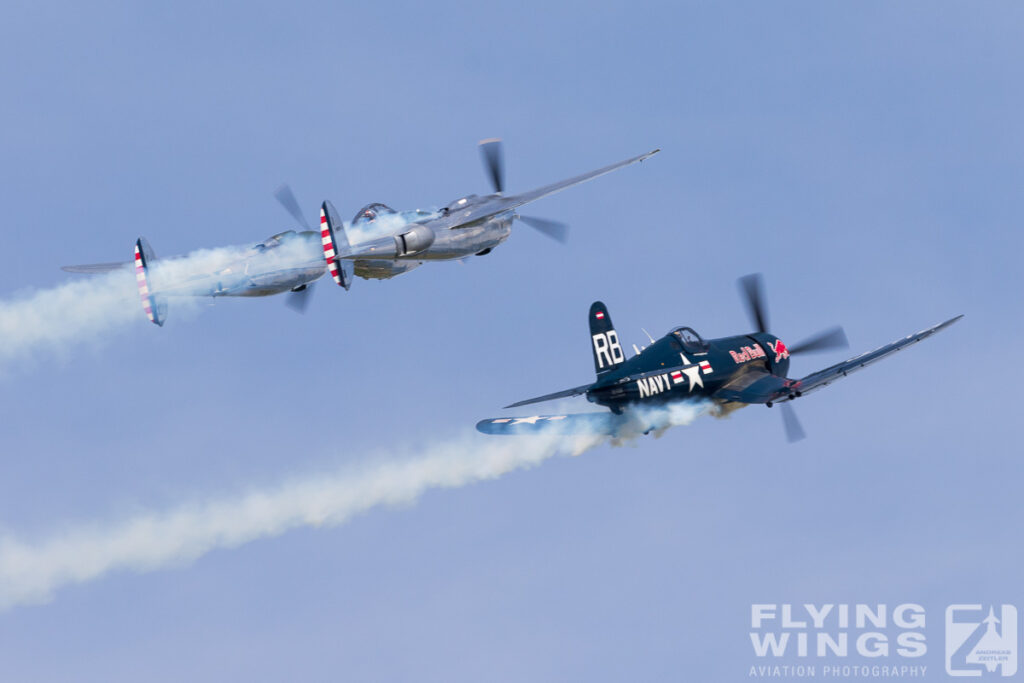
column 866, row 157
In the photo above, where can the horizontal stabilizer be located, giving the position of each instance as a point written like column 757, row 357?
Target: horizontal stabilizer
column 97, row 267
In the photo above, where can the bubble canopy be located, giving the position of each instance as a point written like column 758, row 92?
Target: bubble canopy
column 690, row 340
column 370, row 212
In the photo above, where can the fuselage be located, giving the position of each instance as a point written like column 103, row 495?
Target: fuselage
column 377, row 221
column 716, row 363
column 477, row 238
column 291, row 260
column 284, row 262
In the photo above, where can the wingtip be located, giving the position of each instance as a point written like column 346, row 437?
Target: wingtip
column 493, row 425
column 952, row 320
column 519, row 404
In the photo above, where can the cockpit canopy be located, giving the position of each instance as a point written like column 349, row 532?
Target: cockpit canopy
column 276, row 240
column 371, row 212
column 690, row 340
column 460, row 203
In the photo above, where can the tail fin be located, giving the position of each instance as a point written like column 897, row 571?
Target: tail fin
column 154, row 305
column 332, row 234
column 605, row 341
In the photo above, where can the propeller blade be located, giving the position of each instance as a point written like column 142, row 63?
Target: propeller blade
column 491, row 151
column 553, row 229
column 794, row 432
column 299, row 301
column 752, row 289
column 285, row 195
column 833, row 338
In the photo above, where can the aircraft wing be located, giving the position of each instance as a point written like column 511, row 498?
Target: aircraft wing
column 578, row 423
column 760, row 386
column 96, row 267
column 541, row 192
column 474, row 213
column 823, row 378
column 575, row 391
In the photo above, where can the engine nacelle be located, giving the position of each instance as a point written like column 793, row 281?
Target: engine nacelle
column 414, row 241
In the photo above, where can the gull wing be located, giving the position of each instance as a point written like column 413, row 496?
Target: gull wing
column 823, row 378
column 760, row 386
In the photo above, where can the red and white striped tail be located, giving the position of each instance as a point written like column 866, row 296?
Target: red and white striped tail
column 335, row 246
column 149, row 303
column 327, row 237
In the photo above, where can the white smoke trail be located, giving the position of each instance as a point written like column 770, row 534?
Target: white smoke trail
column 32, row 571
column 78, row 312
column 90, row 308
column 657, row 419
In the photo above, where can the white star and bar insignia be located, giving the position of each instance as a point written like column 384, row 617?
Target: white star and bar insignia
column 692, row 374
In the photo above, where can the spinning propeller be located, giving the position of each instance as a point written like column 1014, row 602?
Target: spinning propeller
column 494, row 164
column 285, row 195
column 298, row 299
column 752, row 289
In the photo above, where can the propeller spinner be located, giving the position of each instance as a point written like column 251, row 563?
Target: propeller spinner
column 752, row 291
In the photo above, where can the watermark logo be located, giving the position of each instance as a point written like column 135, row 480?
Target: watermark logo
column 981, row 640
column 837, row 640
column 830, row 630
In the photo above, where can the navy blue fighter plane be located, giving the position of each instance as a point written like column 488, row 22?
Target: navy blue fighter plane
column 723, row 374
